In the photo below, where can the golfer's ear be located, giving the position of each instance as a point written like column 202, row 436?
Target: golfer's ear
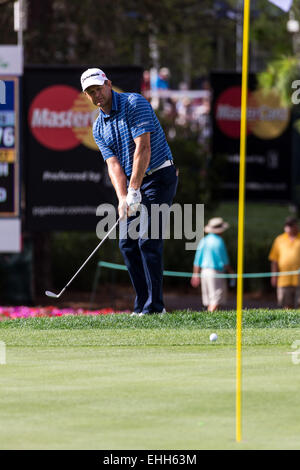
column 87, row 95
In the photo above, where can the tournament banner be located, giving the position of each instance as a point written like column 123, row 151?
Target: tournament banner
column 269, row 142
column 66, row 176
column 9, row 146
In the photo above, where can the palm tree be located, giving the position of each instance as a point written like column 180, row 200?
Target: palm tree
column 279, row 76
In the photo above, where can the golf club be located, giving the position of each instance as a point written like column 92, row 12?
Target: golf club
column 56, row 296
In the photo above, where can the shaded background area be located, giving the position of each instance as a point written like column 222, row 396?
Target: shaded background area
column 63, row 34
column 49, row 261
column 263, row 222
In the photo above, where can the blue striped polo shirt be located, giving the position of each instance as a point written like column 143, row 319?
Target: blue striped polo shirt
column 131, row 116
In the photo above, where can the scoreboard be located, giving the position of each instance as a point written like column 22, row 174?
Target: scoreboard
column 9, row 147
column 10, row 221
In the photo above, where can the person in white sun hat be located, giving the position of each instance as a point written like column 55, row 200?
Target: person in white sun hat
column 211, row 258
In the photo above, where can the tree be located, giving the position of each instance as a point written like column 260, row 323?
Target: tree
column 64, row 32
column 279, row 75
column 193, row 36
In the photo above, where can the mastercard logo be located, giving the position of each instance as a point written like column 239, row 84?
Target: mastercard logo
column 266, row 117
column 61, row 118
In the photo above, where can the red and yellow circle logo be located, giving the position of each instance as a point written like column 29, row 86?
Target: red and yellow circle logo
column 266, row 117
column 61, row 118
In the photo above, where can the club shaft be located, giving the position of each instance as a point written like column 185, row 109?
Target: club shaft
column 93, row 252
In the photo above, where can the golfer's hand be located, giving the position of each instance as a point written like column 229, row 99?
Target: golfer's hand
column 274, row 281
column 133, row 199
column 122, row 208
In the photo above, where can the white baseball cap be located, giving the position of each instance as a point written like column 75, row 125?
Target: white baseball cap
column 92, row 77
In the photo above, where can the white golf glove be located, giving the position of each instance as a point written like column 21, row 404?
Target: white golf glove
column 133, row 199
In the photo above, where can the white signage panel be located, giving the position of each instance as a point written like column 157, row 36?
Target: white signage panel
column 10, row 236
column 11, row 60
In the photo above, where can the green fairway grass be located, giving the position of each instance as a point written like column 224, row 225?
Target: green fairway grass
column 115, row 382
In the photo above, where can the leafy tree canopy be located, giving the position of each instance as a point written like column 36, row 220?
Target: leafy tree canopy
column 193, row 36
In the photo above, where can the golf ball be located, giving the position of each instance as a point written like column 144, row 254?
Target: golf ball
column 213, row 337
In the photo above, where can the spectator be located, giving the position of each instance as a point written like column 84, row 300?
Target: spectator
column 163, row 79
column 285, row 256
column 160, row 81
column 211, row 258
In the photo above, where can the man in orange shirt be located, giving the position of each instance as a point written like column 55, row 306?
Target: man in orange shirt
column 285, row 256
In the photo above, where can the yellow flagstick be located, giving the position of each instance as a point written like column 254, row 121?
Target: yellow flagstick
column 241, row 212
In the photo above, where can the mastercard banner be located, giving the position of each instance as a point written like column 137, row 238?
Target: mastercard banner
column 66, row 175
column 269, row 141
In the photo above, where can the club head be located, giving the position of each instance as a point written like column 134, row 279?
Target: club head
column 51, row 294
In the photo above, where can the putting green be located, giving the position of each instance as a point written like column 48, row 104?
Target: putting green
column 147, row 389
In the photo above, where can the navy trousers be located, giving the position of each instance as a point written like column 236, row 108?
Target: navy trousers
column 142, row 255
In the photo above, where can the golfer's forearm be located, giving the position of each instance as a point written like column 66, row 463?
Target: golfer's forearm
column 140, row 164
column 141, row 160
column 118, row 178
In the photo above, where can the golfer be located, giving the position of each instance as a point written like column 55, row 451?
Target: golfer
column 141, row 169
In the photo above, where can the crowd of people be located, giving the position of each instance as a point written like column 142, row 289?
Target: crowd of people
column 182, row 106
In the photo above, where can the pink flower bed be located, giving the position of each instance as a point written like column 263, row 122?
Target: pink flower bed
column 30, row 312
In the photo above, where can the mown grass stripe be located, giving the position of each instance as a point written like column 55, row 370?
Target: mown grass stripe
column 254, row 318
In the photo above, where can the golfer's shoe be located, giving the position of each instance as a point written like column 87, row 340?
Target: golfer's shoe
column 160, row 313
column 134, row 314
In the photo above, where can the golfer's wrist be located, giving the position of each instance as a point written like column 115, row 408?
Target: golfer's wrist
column 131, row 189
